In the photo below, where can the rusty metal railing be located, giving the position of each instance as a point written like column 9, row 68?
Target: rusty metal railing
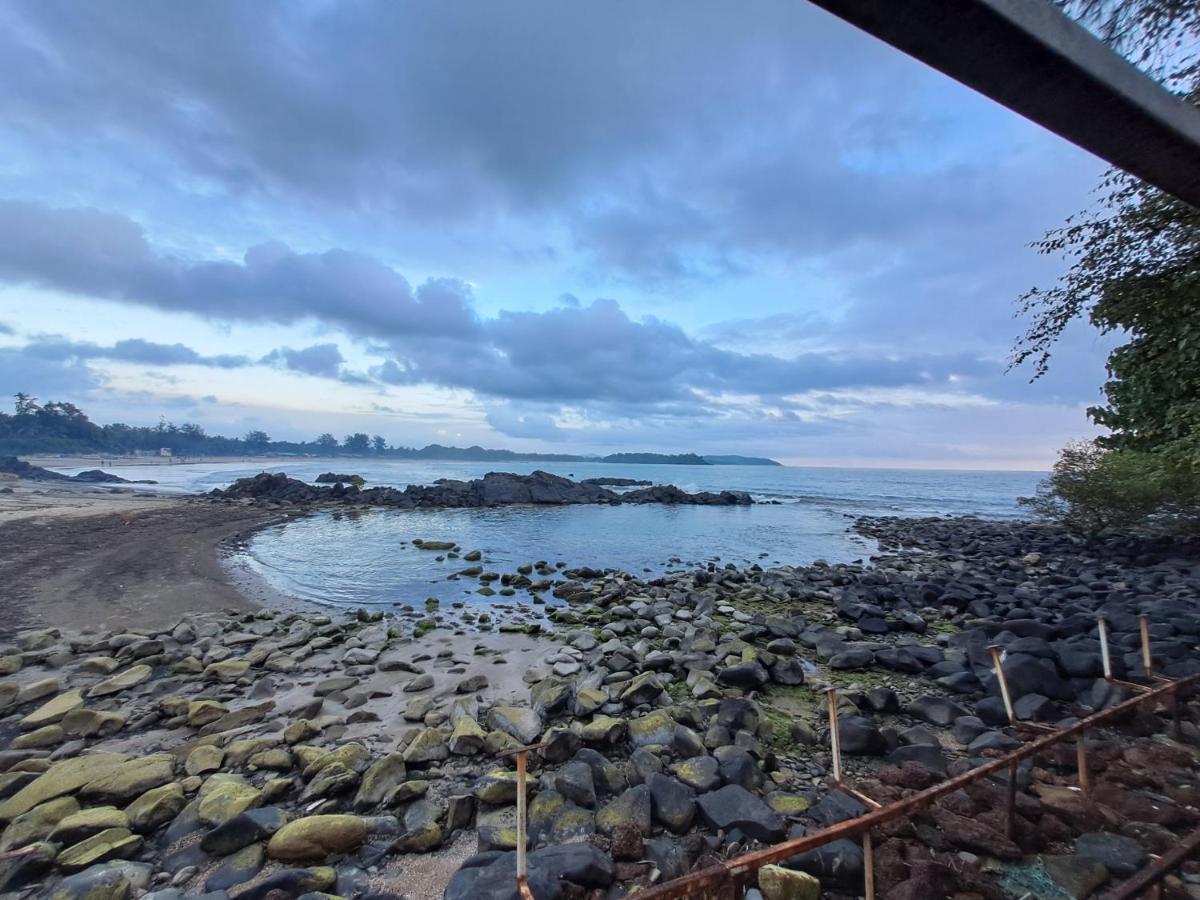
column 730, row 878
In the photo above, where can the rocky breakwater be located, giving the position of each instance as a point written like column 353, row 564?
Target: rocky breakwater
column 681, row 720
column 494, row 489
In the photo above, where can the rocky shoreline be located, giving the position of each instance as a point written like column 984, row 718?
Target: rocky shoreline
column 271, row 754
column 493, row 489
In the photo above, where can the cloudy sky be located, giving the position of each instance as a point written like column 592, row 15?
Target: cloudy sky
column 726, row 227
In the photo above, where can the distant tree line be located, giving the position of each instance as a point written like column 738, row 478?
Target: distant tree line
column 55, row 427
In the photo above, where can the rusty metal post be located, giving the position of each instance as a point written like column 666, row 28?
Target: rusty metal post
column 1010, row 815
column 1144, row 627
column 835, row 737
column 521, row 874
column 868, row 866
column 1177, row 719
column 1081, row 760
column 994, row 649
column 1102, row 624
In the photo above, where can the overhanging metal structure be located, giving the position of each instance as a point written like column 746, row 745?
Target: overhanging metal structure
column 1030, row 57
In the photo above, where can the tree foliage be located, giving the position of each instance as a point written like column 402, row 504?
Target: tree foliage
column 1134, row 262
column 1092, row 489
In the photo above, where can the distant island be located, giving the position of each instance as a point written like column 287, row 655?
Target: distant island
column 57, row 428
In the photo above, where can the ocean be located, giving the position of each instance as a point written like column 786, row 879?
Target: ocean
column 366, row 558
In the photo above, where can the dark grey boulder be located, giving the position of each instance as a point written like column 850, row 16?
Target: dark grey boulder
column 1122, row 856
column 672, row 804
column 733, row 807
column 935, row 710
column 860, row 736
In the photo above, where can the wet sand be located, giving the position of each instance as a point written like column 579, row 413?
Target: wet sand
column 78, row 555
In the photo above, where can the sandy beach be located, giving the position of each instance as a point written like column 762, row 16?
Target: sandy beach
column 72, row 555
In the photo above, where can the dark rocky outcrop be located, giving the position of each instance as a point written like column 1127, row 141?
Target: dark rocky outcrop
column 10, row 465
column 494, row 489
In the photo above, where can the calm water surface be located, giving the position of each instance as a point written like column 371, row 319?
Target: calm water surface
column 359, row 558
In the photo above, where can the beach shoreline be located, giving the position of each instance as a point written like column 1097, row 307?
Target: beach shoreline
column 72, row 556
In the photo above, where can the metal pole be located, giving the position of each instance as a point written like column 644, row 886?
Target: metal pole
column 521, row 816
column 1085, row 786
column 835, row 738
column 1010, row 817
column 1008, row 707
column 868, row 866
column 1144, row 626
column 1103, row 625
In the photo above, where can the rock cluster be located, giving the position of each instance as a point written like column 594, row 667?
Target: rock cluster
column 680, row 721
column 494, row 489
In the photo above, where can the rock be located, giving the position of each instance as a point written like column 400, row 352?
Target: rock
column 60, row 779
column 497, row 787
column 227, row 671
column 37, row 824
column 237, row 868
column 332, row 780
column 778, row 883
column 122, row 681
column 1077, row 875
column 645, row 688
column 225, row 800
column 604, row 730
column 46, row 736
column 655, row 728
column 112, row 843
column 87, row 822
column 205, row 758
column 575, row 783
column 52, row 712
column 316, row 837
column 974, row 835
column 860, row 736
column 291, row 883
column 155, row 808
column 467, row 737
column 111, row 881
column 701, row 773
column 525, row 725
column 732, row 807
column 130, row 779
column 422, row 831
column 935, row 710
column 380, row 777
column 242, row 830
column 1120, row 855
column 407, row 791
column 427, row 746
column 631, row 809
column 672, row 803
column 92, row 723
column 493, row 876
column 737, row 766
column 749, row 676
column 418, row 684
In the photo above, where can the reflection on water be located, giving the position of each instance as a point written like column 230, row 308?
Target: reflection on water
column 366, row 557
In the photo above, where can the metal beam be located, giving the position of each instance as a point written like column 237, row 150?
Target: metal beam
column 1028, row 56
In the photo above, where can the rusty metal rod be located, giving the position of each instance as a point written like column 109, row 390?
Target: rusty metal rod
column 1152, row 874
column 698, row 882
column 1081, row 763
column 521, row 838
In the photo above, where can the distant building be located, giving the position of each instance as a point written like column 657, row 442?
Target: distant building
column 165, row 451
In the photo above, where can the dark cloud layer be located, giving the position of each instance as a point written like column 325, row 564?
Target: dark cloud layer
column 132, row 350
column 569, row 354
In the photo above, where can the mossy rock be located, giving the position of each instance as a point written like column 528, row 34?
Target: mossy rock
column 112, row 843
column 316, row 837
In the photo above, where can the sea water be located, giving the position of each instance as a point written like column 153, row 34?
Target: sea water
column 366, row 557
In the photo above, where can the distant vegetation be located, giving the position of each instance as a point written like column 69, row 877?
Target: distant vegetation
column 63, row 428
column 1134, row 272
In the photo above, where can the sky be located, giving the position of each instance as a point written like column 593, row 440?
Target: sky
column 674, row 226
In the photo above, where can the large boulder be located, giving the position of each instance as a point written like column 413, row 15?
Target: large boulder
column 493, row 876
column 733, row 807
column 315, row 837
